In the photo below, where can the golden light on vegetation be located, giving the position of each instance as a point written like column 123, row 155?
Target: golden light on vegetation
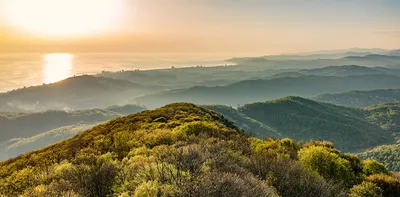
column 57, row 67
column 63, row 18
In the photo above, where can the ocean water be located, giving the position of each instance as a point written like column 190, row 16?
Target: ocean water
column 24, row 70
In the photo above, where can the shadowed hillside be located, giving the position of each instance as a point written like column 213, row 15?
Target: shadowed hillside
column 304, row 119
column 249, row 125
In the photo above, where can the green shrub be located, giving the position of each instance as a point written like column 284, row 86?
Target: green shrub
column 366, row 189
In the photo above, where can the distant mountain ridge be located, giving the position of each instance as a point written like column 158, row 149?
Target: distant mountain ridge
column 317, row 61
column 81, row 92
column 360, row 98
column 260, row 90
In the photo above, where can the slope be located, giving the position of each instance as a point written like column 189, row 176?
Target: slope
column 304, row 119
column 248, row 124
column 185, row 150
column 386, row 154
column 386, row 115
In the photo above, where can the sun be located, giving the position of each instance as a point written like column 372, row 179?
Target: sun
column 60, row 18
column 57, row 67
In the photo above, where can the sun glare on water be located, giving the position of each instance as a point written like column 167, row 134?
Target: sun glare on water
column 57, row 67
column 63, row 18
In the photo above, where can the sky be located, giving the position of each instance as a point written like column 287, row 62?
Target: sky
column 197, row 26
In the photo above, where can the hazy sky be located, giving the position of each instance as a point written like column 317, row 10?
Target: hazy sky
column 209, row 26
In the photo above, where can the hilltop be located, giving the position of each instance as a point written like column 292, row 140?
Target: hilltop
column 185, row 150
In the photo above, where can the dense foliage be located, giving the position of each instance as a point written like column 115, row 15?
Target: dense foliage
column 251, row 126
column 386, row 115
column 387, row 154
column 304, row 119
column 185, row 150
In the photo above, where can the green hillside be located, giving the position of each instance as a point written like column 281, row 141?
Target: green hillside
column 386, row 115
column 186, row 150
column 386, row 154
column 361, row 98
column 304, row 119
column 249, row 125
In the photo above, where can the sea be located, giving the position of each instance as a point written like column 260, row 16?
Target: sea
column 24, row 70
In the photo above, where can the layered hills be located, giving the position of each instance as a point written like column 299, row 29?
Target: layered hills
column 304, row 119
column 186, row 150
column 359, row 98
column 23, row 132
column 80, row 92
column 249, row 91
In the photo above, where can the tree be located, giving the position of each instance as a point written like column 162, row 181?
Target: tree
column 327, row 164
column 91, row 175
column 373, row 167
column 390, row 185
column 366, row 189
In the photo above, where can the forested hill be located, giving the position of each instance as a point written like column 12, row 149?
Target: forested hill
column 251, row 126
column 305, row 119
column 186, row 150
